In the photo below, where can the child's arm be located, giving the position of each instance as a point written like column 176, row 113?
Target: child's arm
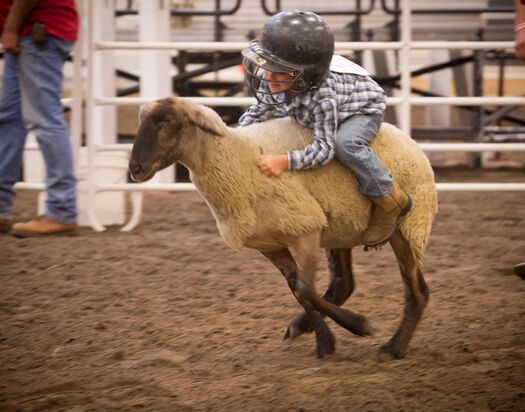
column 273, row 165
column 316, row 154
column 256, row 113
column 322, row 149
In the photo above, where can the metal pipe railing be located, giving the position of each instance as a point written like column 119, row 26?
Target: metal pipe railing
column 173, row 13
column 455, row 10
column 339, row 46
column 236, row 46
column 427, row 147
column 356, row 12
column 209, row 101
column 178, row 187
column 247, row 101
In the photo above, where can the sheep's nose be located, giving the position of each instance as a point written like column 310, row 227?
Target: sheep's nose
column 134, row 169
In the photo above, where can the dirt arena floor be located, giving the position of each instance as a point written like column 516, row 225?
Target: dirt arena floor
column 167, row 318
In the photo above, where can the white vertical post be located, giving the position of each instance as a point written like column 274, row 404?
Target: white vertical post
column 98, row 209
column 76, row 106
column 104, row 127
column 90, row 120
column 155, row 80
column 404, row 64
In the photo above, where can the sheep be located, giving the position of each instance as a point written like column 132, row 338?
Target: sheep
column 289, row 219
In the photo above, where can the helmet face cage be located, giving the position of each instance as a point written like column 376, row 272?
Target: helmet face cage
column 260, row 85
column 294, row 42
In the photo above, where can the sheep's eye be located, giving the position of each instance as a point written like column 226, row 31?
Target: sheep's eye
column 171, row 124
column 167, row 124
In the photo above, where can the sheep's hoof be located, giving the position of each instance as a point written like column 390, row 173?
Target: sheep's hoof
column 325, row 344
column 519, row 270
column 388, row 352
column 355, row 323
column 366, row 328
column 297, row 327
column 377, row 248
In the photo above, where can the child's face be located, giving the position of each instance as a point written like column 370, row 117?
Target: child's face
column 278, row 82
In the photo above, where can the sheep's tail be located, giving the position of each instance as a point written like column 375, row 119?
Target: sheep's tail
column 417, row 224
column 413, row 172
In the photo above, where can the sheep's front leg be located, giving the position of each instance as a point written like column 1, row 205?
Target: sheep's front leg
column 304, row 251
column 339, row 289
column 416, row 298
column 283, row 260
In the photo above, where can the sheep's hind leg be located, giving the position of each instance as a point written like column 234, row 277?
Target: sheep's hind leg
column 325, row 341
column 416, row 298
column 339, row 289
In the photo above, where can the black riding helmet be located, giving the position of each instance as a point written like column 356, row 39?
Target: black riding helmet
column 299, row 43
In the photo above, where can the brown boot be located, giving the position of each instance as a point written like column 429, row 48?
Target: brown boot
column 43, row 226
column 385, row 216
column 5, row 225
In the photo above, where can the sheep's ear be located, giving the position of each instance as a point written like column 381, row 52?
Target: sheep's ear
column 143, row 111
column 207, row 119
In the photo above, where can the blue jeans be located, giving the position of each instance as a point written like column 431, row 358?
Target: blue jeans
column 30, row 102
column 352, row 150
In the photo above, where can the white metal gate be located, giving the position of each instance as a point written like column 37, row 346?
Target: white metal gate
column 406, row 101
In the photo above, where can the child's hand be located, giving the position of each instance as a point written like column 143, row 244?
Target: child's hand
column 273, row 165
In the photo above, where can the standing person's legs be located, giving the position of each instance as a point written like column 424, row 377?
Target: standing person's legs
column 40, row 69
column 375, row 181
column 12, row 138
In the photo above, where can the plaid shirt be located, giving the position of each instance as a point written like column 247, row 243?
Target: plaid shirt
column 339, row 97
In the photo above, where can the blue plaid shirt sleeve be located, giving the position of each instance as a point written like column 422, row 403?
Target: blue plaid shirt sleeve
column 259, row 113
column 322, row 149
column 255, row 113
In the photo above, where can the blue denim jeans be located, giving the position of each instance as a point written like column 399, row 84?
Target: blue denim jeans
column 30, row 102
column 352, row 150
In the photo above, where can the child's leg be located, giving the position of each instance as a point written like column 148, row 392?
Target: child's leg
column 352, row 150
column 374, row 180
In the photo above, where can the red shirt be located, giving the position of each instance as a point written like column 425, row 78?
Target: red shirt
column 59, row 16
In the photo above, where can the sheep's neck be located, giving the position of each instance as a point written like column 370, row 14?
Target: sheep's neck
column 220, row 174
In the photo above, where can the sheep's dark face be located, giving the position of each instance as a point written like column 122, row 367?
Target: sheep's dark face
column 154, row 147
column 168, row 132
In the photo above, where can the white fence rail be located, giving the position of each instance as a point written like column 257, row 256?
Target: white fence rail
column 406, row 101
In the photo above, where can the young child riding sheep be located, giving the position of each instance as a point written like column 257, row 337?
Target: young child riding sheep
column 292, row 71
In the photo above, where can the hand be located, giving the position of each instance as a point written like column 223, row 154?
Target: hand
column 10, row 41
column 273, row 165
column 520, row 44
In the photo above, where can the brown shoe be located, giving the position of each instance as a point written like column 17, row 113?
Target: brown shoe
column 5, row 225
column 386, row 214
column 43, row 226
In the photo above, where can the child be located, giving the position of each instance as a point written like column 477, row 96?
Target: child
column 293, row 72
